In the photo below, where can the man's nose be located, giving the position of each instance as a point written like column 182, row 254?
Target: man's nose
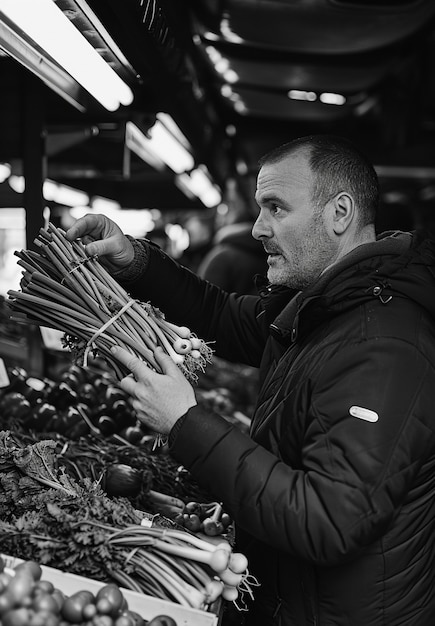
column 259, row 229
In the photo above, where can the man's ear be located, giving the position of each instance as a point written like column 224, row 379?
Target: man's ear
column 343, row 212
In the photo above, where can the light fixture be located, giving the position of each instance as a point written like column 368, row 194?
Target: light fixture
column 104, row 205
column 54, row 192
column 332, row 98
column 5, row 172
column 198, row 184
column 62, row 194
column 20, row 49
column 221, row 65
column 302, row 94
column 135, row 222
column 137, row 142
column 40, row 36
column 163, row 145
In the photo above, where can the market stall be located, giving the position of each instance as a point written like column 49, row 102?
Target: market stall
column 94, row 499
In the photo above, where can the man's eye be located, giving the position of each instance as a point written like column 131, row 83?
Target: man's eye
column 274, row 209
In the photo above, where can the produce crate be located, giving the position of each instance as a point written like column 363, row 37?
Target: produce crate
column 147, row 606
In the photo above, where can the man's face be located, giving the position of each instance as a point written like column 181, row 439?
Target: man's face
column 293, row 231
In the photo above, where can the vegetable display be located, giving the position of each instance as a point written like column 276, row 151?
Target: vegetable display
column 80, row 477
column 26, row 599
column 65, row 289
column 49, row 517
column 81, row 402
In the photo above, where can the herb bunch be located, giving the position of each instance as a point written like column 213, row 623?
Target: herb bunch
column 65, row 289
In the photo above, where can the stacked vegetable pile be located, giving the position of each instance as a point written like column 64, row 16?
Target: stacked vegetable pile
column 49, row 517
column 97, row 435
column 65, row 289
column 82, row 401
column 26, row 599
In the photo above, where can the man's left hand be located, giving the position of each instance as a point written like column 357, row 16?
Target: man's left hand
column 159, row 399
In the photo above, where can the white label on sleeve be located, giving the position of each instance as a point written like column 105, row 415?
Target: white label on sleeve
column 364, row 414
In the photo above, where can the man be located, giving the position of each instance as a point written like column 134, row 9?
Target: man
column 333, row 492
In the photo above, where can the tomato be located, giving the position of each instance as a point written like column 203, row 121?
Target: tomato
column 89, row 611
column 45, row 602
column 43, row 586
column 113, row 597
column 137, row 620
column 102, row 620
column 16, row 617
column 59, row 596
column 72, row 608
column 44, row 618
column 104, row 606
column 162, row 620
column 124, row 620
column 32, row 567
column 20, row 587
column 6, row 603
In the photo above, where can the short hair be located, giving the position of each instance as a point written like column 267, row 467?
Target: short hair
column 337, row 165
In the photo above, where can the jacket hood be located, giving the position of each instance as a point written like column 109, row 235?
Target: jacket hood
column 397, row 264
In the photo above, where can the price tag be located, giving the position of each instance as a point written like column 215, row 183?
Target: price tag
column 4, row 378
column 147, row 519
column 52, row 338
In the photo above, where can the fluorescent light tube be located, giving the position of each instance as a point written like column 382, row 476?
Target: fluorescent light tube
column 5, row 172
column 49, row 72
column 104, row 205
column 62, row 194
column 169, row 149
column 138, row 143
column 51, row 30
column 160, row 147
column 54, row 192
column 198, row 184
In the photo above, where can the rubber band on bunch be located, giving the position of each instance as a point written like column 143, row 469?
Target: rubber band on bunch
column 100, row 331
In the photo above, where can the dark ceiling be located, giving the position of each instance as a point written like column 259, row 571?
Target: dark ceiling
column 379, row 55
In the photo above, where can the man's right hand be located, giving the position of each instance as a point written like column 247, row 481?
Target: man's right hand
column 104, row 238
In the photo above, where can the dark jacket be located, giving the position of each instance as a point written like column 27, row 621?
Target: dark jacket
column 333, row 494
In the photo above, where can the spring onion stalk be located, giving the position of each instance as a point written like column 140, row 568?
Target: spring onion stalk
column 195, row 571
column 63, row 288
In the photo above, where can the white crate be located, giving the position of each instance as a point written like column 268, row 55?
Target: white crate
column 147, row 606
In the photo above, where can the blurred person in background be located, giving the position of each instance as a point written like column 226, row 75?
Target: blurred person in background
column 332, row 491
column 234, row 260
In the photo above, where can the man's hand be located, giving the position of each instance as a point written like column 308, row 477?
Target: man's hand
column 103, row 237
column 158, row 399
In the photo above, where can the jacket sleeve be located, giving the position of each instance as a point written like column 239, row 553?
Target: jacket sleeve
column 232, row 324
column 363, row 436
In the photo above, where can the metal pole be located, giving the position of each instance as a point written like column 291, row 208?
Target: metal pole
column 34, row 156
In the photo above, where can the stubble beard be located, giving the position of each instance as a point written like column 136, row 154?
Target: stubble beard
column 312, row 253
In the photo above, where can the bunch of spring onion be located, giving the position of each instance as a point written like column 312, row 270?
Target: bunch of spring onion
column 65, row 289
column 178, row 566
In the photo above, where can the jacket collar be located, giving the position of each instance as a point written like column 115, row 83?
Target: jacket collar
column 285, row 325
